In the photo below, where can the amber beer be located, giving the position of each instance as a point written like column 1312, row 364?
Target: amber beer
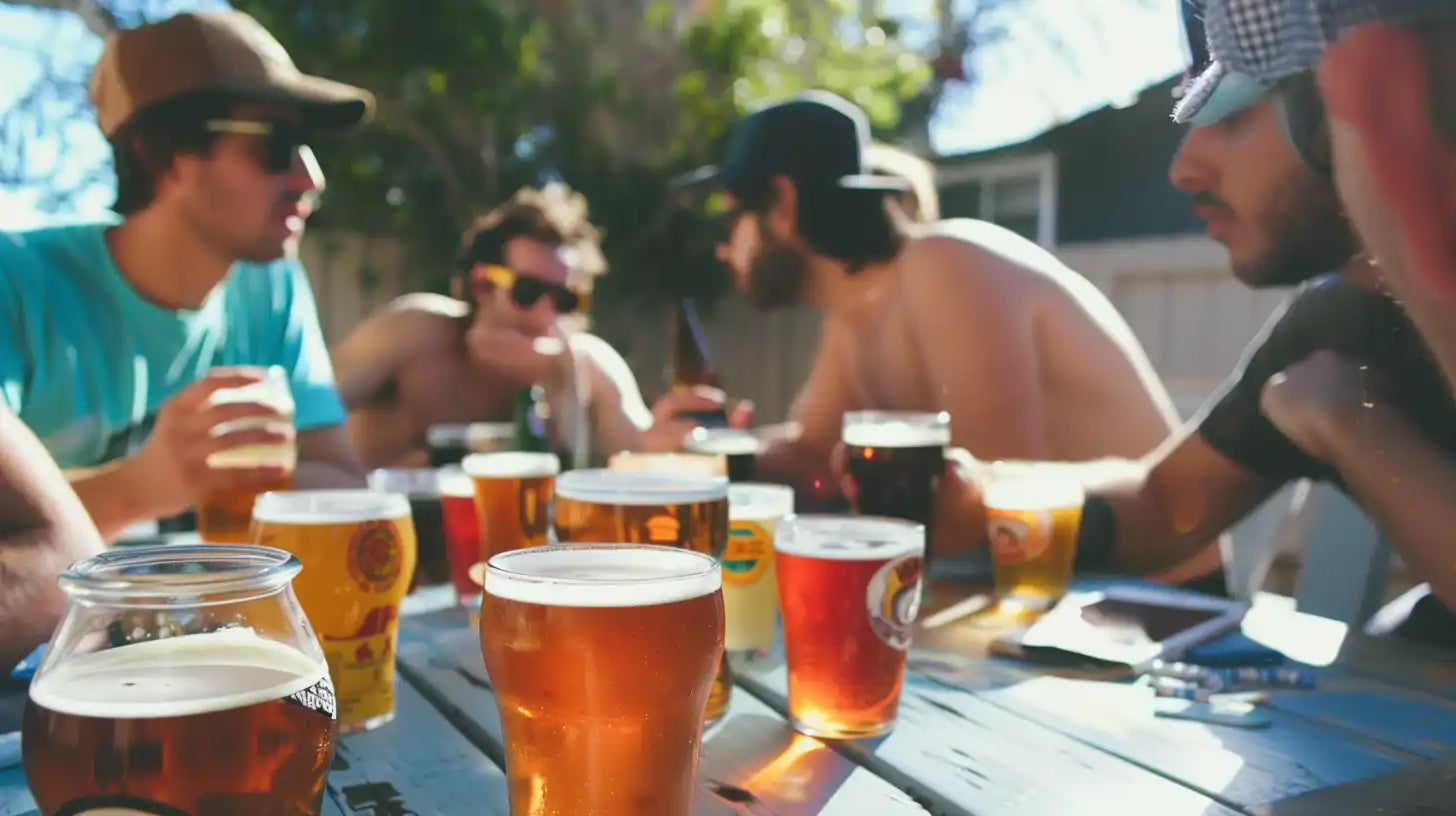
column 358, row 551
column 897, row 459
column 1032, row 521
column 849, row 590
column 513, row 493
column 739, row 447
column 182, row 680
column 224, row 516
column 602, row 658
column 206, row 723
column 677, row 510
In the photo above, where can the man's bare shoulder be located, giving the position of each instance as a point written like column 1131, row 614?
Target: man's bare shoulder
column 982, row 247
column 425, row 306
column 416, row 322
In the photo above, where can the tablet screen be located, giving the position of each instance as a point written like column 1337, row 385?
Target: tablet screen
column 1126, row 621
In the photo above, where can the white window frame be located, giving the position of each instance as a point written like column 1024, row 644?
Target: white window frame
column 1041, row 166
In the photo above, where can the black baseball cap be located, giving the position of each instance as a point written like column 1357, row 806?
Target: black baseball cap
column 817, row 139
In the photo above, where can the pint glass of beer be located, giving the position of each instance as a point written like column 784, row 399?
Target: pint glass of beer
column 422, row 487
column 687, row 510
column 850, row 593
column 462, row 533
column 1032, row 521
column 184, row 679
column 750, row 588
column 897, row 459
column 224, row 516
column 358, row 553
column 738, row 446
column 513, row 493
column 602, row 658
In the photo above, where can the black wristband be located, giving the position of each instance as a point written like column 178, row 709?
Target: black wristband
column 1096, row 535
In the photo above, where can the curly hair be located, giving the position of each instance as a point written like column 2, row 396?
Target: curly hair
column 554, row 215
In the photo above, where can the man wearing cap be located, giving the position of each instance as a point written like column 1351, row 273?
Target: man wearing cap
column 963, row 316
column 114, row 334
column 1339, row 385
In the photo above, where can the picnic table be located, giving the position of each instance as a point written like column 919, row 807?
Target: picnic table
column 976, row 735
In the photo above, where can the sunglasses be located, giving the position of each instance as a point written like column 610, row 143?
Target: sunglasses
column 277, row 142
column 525, row 290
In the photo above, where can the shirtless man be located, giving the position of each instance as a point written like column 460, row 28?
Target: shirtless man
column 961, row 316
column 520, row 284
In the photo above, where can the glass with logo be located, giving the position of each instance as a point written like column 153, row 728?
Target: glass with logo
column 750, row 583
column 1032, row 521
column 688, row 510
column 357, row 548
column 183, row 679
column 849, row 590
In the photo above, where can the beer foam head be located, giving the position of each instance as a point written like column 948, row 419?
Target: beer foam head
column 602, row 486
column 454, row 481
column 273, row 390
column 177, row 676
column 759, row 501
column 849, row 538
column 1031, row 491
column 511, row 465
column 894, row 429
column 413, row 482
column 669, row 463
column 330, row 506
column 723, row 441
column 602, row 575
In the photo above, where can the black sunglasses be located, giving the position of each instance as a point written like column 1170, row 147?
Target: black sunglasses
column 278, row 141
column 525, row 290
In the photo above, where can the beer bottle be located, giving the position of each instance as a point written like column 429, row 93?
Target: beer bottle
column 691, row 364
column 529, row 432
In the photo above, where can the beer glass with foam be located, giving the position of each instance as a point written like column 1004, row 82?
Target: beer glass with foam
column 183, row 679
column 224, row 516
column 849, row 588
column 897, row 459
column 1032, row 520
column 688, row 510
column 358, row 553
column 602, row 658
column 750, row 585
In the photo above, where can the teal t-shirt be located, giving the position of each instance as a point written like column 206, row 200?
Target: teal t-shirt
column 86, row 361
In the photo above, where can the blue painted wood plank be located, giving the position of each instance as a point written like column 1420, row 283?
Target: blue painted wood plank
column 961, row 755
column 752, row 762
column 1422, row 788
column 15, row 798
column 1415, row 723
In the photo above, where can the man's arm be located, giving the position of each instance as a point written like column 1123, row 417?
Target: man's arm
column 43, row 529
column 973, row 320
column 620, row 417
column 365, row 362
column 326, row 458
column 803, row 460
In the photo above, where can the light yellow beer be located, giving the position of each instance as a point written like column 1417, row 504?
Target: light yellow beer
column 603, row 506
column 670, row 462
column 1032, row 521
column 750, row 583
column 358, row 551
column 224, row 516
column 513, row 493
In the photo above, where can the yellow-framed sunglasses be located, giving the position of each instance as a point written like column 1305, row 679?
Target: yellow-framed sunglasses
column 526, row 290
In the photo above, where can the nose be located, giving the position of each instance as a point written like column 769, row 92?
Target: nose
column 1192, row 169
column 541, row 316
column 304, row 173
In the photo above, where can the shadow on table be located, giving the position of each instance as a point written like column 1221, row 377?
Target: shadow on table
column 759, row 765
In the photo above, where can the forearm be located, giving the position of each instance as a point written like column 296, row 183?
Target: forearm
column 114, row 498
column 31, row 602
column 1405, row 483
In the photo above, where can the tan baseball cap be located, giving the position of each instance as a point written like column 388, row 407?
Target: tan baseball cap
column 225, row 51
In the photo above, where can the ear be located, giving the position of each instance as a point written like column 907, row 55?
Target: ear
column 783, row 214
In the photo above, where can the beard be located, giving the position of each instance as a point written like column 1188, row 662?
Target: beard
column 1309, row 235
column 777, row 275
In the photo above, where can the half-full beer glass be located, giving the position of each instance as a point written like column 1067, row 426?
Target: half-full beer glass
column 513, row 493
column 1032, row 521
column 850, row 592
column 602, row 658
column 897, row 459
column 183, row 679
column 358, row 554
column 740, row 448
column 678, row 510
column 224, row 516
column 750, row 585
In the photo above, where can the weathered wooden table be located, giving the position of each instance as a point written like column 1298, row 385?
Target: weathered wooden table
column 976, row 735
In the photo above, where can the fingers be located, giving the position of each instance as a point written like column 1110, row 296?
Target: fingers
column 741, row 415
column 272, row 434
column 214, row 415
column 839, row 466
column 217, row 379
column 701, row 399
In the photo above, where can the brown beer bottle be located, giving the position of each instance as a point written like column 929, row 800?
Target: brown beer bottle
column 691, row 364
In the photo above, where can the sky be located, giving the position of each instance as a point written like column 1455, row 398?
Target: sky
column 1061, row 58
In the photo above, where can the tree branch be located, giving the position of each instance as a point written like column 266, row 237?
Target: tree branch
column 96, row 16
column 396, row 117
